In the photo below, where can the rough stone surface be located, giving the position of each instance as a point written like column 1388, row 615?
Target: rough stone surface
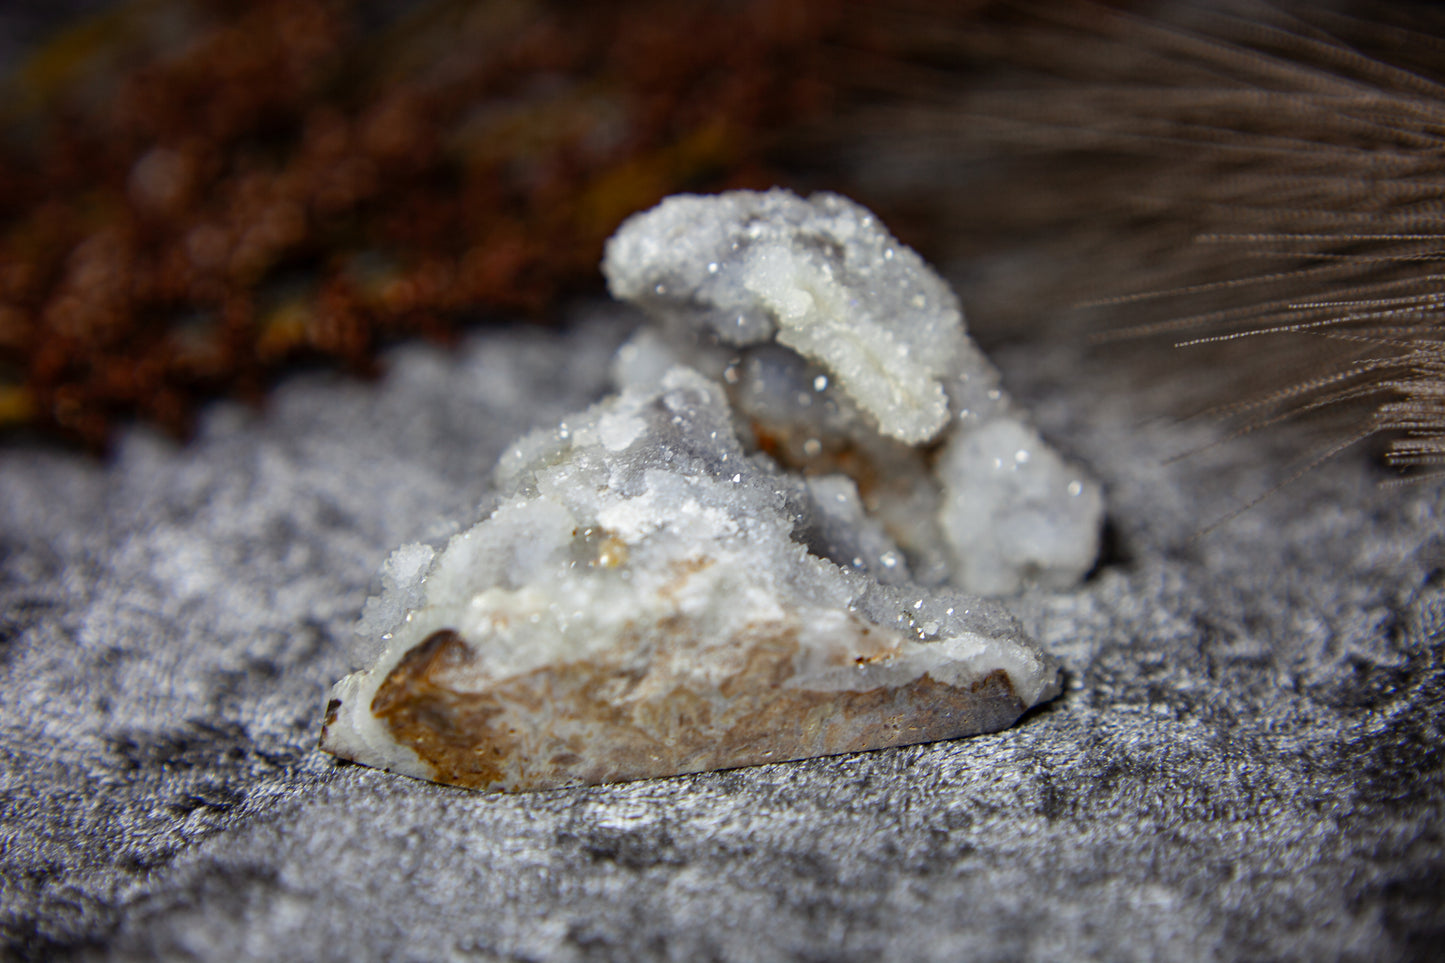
column 1245, row 763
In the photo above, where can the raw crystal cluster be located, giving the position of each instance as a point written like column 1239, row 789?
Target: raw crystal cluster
column 771, row 543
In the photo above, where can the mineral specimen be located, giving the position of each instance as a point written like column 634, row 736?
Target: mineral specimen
column 743, row 555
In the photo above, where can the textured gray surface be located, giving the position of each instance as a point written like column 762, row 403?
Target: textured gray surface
column 1246, row 764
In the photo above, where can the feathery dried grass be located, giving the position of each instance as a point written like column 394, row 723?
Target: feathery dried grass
column 1265, row 181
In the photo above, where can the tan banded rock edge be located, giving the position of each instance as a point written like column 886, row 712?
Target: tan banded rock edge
column 773, row 542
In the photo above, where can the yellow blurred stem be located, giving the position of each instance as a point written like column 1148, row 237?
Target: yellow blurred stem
column 94, row 48
column 643, row 181
column 17, row 405
column 283, row 330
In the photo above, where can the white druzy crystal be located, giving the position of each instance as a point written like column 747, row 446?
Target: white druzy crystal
column 846, row 351
column 820, row 277
column 769, row 544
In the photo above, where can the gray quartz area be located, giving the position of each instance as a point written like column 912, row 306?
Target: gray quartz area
column 1246, row 761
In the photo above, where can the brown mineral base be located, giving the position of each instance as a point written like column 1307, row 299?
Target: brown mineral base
column 578, row 724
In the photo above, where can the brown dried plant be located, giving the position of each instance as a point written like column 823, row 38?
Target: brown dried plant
column 195, row 194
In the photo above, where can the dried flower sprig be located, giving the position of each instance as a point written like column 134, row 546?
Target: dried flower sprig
column 204, row 192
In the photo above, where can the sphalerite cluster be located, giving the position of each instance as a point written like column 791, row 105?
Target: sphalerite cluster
column 782, row 537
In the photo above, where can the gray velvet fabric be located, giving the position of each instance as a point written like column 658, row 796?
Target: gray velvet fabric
column 1246, row 763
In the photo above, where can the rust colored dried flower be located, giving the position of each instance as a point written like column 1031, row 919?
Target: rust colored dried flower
column 205, row 192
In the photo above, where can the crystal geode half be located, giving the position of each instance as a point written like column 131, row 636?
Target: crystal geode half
column 771, row 543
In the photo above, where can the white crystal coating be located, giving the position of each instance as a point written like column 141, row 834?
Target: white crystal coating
column 401, row 591
column 822, row 276
column 1013, row 511
column 840, row 346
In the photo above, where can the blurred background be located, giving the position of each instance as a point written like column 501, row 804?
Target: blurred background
column 197, row 196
